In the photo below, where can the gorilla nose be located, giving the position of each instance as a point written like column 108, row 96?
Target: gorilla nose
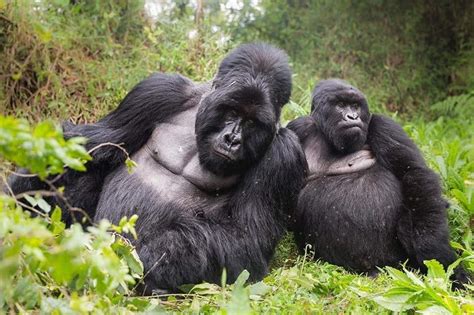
column 232, row 140
column 352, row 116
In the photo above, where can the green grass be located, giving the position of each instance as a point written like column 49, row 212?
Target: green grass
column 67, row 66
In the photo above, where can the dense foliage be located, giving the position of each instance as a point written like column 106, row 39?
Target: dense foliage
column 77, row 59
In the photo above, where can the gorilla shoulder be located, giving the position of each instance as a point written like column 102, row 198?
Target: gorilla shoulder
column 321, row 158
column 172, row 151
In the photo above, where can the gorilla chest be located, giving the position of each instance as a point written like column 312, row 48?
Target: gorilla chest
column 369, row 197
column 321, row 161
column 351, row 188
column 352, row 218
column 169, row 164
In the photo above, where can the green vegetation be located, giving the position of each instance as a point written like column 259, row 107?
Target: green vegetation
column 60, row 60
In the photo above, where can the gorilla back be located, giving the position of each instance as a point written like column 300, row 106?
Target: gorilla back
column 216, row 177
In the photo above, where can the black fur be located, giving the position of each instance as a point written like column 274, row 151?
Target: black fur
column 228, row 211
column 256, row 65
column 130, row 125
column 384, row 215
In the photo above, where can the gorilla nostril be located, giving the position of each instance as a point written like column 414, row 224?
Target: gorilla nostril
column 228, row 139
column 352, row 116
column 232, row 140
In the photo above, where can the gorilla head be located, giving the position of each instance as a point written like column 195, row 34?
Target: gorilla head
column 238, row 118
column 343, row 114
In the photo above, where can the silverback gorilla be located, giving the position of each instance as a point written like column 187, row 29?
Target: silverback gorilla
column 216, row 175
column 370, row 200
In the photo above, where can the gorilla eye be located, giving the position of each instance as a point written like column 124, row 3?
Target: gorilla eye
column 250, row 122
column 232, row 114
column 339, row 107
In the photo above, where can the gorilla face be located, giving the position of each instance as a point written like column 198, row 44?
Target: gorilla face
column 343, row 113
column 236, row 121
column 234, row 127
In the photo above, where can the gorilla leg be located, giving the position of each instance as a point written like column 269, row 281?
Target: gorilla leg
column 175, row 253
column 181, row 249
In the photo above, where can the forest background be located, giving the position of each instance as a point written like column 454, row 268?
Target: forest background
column 76, row 59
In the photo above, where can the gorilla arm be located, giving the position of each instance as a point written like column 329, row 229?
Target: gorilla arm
column 392, row 146
column 303, row 127
column 260, row 206
column 279, row 176
column 151, row 101
column 423, row 227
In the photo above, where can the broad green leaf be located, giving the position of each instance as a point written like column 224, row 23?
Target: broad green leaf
column 27, row 292
column 239, row 302
column 395, row 303
column 435, row 269
column 195, row 305
column 126, row 251
column 259, row 288
column 242, row 278
column 46, row 207
column 415, row 279
column 206, row 289
column 32, row 201
column 435, row 310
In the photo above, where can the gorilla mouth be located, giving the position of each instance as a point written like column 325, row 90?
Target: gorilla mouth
column 224, row 154
column 351, row 125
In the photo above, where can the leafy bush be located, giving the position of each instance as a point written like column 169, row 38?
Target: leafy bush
column 68, row 61
column 43, row 149
column 42, row 264
column 429, row 294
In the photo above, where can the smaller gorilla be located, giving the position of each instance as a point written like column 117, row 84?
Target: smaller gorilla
column 370, row 200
